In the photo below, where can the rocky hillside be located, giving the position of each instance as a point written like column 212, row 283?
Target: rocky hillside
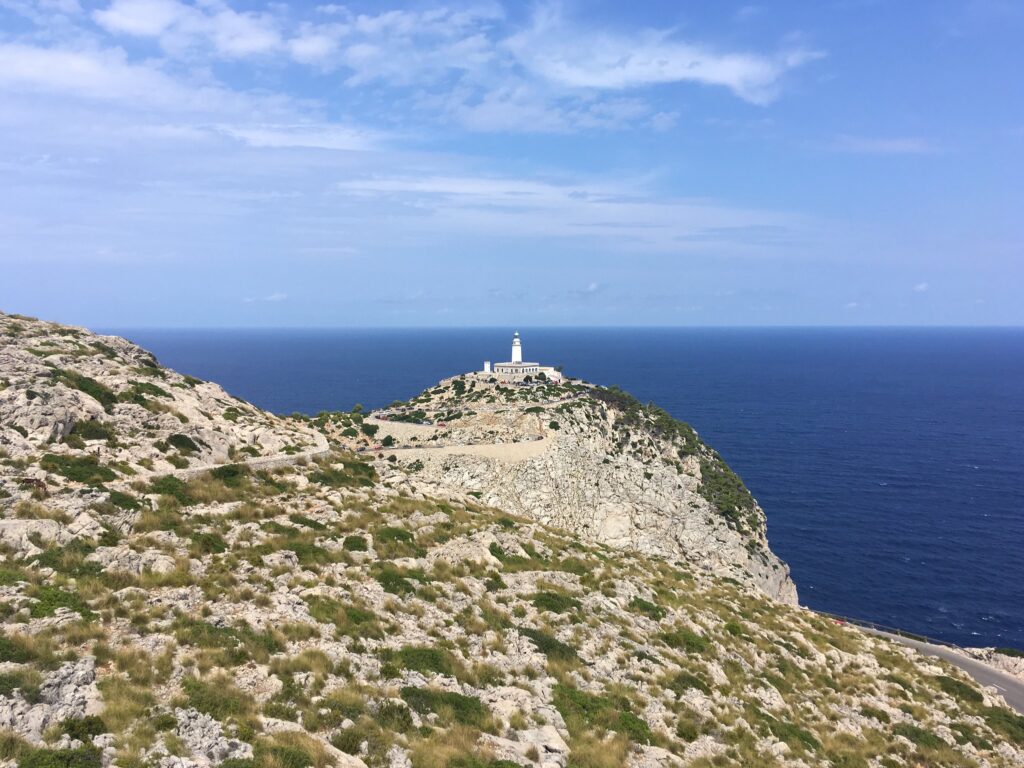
column 346, row 610
column 101, row 408
column 591, row 460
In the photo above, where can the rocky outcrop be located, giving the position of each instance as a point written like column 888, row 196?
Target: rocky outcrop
column 600, row 465
column 78, row 396
column 69, row 692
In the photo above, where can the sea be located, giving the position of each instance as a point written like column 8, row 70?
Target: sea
column 890, row 462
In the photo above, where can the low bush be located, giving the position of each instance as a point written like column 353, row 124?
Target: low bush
column 587, row 710
column 684, row 640
column 217, row 697
column 917, row 735
column 49, row 598
column 421, row 659
column 685, row 681
column 80, row 469
column 556, row 602
column 639, row 605
column 355, row 543
column 959, row 689
column 450, row 707
column 550, row 646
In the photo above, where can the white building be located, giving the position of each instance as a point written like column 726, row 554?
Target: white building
column 516, row 369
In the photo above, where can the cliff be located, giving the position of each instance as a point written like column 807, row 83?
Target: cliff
column 310, row 606
column 593, row 461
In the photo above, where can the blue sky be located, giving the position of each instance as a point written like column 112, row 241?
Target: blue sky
column 168, row 163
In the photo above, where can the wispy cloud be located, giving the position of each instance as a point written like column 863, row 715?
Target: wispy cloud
column 272, row 298
column 893, row 145
column 575, row 57
column 921, row 288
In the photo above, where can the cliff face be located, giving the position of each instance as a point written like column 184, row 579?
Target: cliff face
column 597, row 462
column 289, row 610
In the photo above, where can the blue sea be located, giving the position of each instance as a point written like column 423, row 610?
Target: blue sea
column 890, row 462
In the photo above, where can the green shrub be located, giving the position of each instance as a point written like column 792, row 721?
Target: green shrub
column 453, row 707
column 49, row 598
column 959, row 689
column 421, row 659
column 83, row 757
column 550, row 646
column 879, row 714
column 15, row 648
column 169, row 485
column 123, row 500
column 308, row 522
column 231, row 475
column 99, row 392
column 25, row 680
column 394, row 582
column 1002, row 720
column 684, row 681
column 918, row 736
column 555, row 602
column 183, row 443
column 684, row 640
column 369, row 429
column 84, row 728
column 553, row 425
column 389, row 533
column 587, row 710
column 80, row 469
column 639, row 605
column 90, row 429
column 355, row 543
column 394, row 716
column 218, row 697
column 208, row 543
column 793, row 735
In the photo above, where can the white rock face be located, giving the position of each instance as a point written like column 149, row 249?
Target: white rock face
column 627, row 485
column 204, row 737
column 68, row 692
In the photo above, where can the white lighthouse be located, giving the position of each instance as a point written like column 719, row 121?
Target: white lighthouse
column 515, row 370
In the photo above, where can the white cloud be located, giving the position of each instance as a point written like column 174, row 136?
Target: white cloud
column 921, row 288
column 578, row 58
column 620, row 211
column 105, row 75
column 272, row 298
column 180, row 26
column 318, row 136
column 868, row 145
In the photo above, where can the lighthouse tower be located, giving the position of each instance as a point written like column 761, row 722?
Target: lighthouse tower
column 517, row 349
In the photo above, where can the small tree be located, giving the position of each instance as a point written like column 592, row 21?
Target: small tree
column 369, row 429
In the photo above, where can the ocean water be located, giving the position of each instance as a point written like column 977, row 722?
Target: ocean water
column 890, row 462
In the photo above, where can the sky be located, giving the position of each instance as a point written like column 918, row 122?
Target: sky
column 166, row 163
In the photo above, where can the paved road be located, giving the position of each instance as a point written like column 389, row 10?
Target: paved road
column 1010, row 688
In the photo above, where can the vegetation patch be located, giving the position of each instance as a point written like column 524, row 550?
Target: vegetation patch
column 684, row 640
column 556, row 602
column 80, row 469
column 583, row 710
column 450, row 707
column 550, row 646
column 647, row 608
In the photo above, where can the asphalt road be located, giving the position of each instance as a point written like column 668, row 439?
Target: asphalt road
column 1010, row 688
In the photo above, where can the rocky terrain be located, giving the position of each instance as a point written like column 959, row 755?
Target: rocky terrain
column 343, row 599
column 594, row 461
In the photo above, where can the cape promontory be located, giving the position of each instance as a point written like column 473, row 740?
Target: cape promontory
column 483, row 576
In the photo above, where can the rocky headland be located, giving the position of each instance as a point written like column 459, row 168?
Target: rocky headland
column 484, row 576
